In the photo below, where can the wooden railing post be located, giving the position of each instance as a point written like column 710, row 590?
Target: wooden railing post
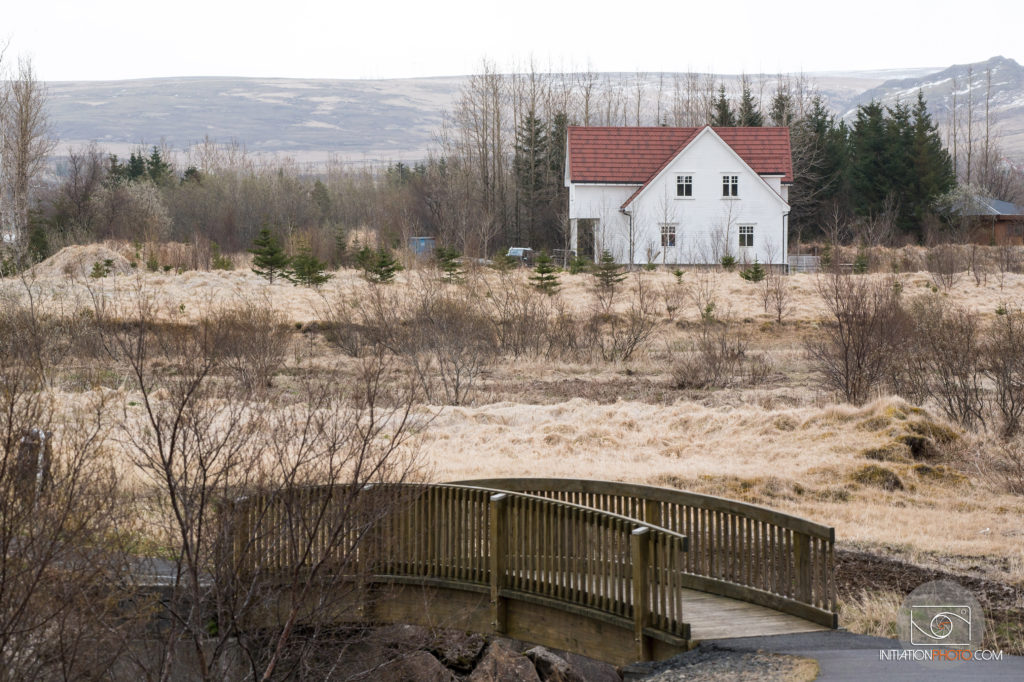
column 499, row 552
column 802, row 566
column 640, row 549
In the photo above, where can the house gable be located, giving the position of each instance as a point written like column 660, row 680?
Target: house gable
column 690, row 144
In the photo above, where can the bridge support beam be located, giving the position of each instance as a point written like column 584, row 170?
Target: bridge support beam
column 640, row 549
column 499, row 552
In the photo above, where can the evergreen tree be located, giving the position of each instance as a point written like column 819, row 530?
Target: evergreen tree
column 749, row 115
column 545, row 274
column 781, row 112
column 322, row 198
column 931, row 163
column 869, row 159
column 158, row 170
column 530, row 166
column 379, row 266
column 306, row 269
column 754, row 273
column 722, row 116
column 608, row 273
column 268, row 258
column 448, row 261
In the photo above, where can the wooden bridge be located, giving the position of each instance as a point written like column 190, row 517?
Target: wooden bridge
column 614, row 571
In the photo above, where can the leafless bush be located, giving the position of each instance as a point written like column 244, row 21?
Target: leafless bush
column 450, row 341
column 674, row 297
column 703, row 291
column 1008, row 464
column 719, row 358
column 619, row 337
column 203, row 447
column 1003, row 364
column 256, row 341
column 519, row 314
column 946, row 265
column 776, row 294
column 860, row 336
column 63, row 523
column 945, row 357
column 978, row 264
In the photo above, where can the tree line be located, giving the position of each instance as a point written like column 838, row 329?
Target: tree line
column 496, row 179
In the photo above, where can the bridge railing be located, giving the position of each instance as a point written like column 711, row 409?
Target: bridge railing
column 736, row 549
column 514, row 545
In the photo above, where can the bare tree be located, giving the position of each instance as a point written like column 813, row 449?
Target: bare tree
column 25, row 143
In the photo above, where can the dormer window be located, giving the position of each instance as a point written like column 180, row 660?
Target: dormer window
column 684, row 185
column 730, row 185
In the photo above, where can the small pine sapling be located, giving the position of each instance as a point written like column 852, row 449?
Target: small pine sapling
column 268, row 257
column 607, row 272
column 545, row 275
column 754, row 273
column 306, row 269
column 728, row 262
column 451, row 266
column 379, row 266
column 504, row 262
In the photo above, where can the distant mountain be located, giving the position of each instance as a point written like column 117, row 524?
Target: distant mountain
column 389, row 120
column 1007, row 105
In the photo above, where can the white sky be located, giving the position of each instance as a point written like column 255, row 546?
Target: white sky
column 113, row 39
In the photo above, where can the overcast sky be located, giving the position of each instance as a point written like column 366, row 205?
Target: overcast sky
column 113, row 39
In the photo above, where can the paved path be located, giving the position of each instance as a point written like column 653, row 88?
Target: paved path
column 845, row 656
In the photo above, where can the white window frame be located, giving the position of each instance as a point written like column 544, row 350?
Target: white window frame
column 748, row 232
column 730, row 186
column 684, row 181
column 668, row 230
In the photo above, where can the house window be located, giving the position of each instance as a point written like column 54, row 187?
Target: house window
column 730, row 185
column 684, row 185
column 746, row 235
column 668, row 234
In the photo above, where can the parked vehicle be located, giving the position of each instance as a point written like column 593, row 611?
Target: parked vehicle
column 523, row 254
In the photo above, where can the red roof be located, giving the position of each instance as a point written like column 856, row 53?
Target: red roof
column 633, row 156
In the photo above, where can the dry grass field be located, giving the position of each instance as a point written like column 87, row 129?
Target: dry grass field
column 894, row 478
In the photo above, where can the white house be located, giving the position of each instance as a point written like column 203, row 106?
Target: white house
column 679, row 195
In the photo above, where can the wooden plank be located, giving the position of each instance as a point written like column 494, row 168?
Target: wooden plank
column 640, row 555
column 499, row 550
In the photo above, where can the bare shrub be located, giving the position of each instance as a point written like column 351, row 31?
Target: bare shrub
column 450, row 341
column 860, row 337
column 719, row 358
column 946, row 359
column 519, row 314
column 1008, row 464
column 946, row 264
column 776, row 294
column 225, row 482
column 256, row 341
column 703, row 291
column 620, row 336
column 1003, row 364
column 64, row 522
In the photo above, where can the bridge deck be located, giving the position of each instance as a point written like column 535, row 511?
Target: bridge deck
column 714, row 617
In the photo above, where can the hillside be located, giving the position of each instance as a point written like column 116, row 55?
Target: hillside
column 1007, row 107
column 397, row 119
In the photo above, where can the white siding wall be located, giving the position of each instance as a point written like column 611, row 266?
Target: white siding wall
column 602, row 203
column 706, row 225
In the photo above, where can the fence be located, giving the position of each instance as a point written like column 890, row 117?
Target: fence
column 736, row 550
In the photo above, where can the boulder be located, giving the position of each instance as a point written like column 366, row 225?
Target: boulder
column 419, row 666
column 591, row 670
column 458, row 650
column 501, row 664
column 551, row 667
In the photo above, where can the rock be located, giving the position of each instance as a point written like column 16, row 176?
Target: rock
column 502, row 664
column 591, row 670
column 458, row 650
column 419, row 666
column 551, row 667
column 401, row 637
